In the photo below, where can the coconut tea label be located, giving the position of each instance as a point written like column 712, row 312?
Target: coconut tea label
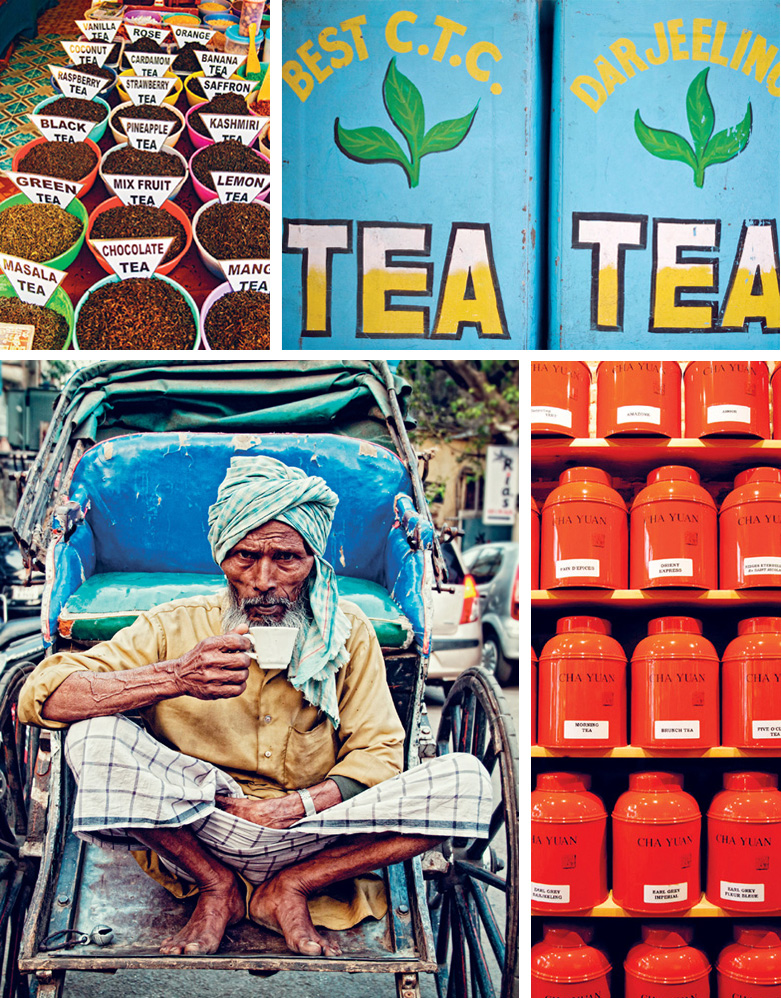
column 147, row 134
column 220, row 63
column 133, row 257
column 136, row 31
column 149, row 63
column 45, row 190
column 80, row 51
column 33, row 282
column 55, row 128
column 100, row 31
column 142, row 190
column 213, row 85
column 147, row 89
column 247, row 275
column 240, row 187
column 16, row 337
column 184, row 33
column 242, row 127
column 72, row 83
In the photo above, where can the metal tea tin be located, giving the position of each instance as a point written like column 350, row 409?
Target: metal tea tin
column 638, row 398
column 750, row 531
column 726, row 399
column 560, row 398
column 565, row 965
column 664, row 965
column 751, row 685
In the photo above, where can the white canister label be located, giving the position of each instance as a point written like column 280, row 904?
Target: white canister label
column 550, row 414
column 587, row 729
column 662, row 567
column 638, row 414
column 551, row 893
column 729, row 414
column 676, row 729
column 766, row 729
column 665, row 893
column 577, row 566
column 762, row 566
column 741, row 892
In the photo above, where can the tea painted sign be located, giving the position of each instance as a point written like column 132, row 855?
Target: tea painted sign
column 664, row 175
column 410, row 154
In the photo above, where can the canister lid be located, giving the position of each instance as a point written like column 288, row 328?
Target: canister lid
column 758, row 475
column 593, row 625
column 758, row 936
column 656, row 783
column 570, row 475
column 667, row 936
column 754, row 957
column 565, row 799
column 566, row 783
column 667, row 625
column 567, row 935
column 673, row 473
column 665, row 956
column 760, row 625
column 564, row 955
column 750, row 781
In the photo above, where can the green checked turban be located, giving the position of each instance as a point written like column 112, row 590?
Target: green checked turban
column 256, row 490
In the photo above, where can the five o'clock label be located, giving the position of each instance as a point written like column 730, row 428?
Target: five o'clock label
column 551, row 893
column 766, row 729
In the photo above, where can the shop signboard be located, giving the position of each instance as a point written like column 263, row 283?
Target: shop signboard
column 410, row 160
column 664, row 175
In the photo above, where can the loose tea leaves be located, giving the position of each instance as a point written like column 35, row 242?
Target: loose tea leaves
column 65, row 160
column 239, row 320
column 135, row 314
column 51, row 328
column 139, row 220
column 227, row 155
column 221, row 104
column 143, row 44
column 75, row 107
column 93, row 69
column 186, row 61
column 234, row 231
column 147, row 112
column 140, row 163
column 37, row 232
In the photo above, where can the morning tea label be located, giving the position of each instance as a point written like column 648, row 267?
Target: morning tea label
column 240, row 187
column 247, row 275
column 33, row 282
column 587, row 729
column 147, row 134
column 136, row 31
column 55, row 128
column 149, row 63
column 133, row 257
column 72, row 83
column 220, row 63
column 242, row 127
column 142, row 190
column 45, row 190
column 100, row 31
column 87, row 51
column 148, row 89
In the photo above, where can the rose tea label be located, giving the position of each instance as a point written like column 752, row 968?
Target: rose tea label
column 241, row 187
column 147, row 134
column 213, row 85
column 45, row 190
column 34, row 283
column 58, row 129
column 136, row 31
column 244, row 128
column 16, row 337
column 99, row 31
column 247, row 275
column 75, row 84
column 184, row 33
column 133, row 257
column 148, row 89
column 142, row 190
column 150, row 63
column 220, row 63
column 87, row 51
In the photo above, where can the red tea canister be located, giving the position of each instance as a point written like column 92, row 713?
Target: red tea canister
column 750, row 529
column 534, row 698
column 673, row 533
column 675, row 687
column 744, row 845
column 727, row 398
column 535, row 546
column 664, row 965
column 585, row 540
column 751, row 685
column 656, row 846
column 561, row 393
column 564, row 965
column 751, row 966
column 639, row 398
column 582, row 687
column 569, row 845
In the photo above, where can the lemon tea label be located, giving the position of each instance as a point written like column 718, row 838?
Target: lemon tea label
column 72, row 83
column 45, row 190
column 147, row 134
column 220, row 63
column 16, row 337
column 142, row 190
column 58, row 129
column 213, row 85
column 136, row 31
column 240, row 187
column 150, row 63
column 184, row 33
column 133, row 257
column 33, row 282
column 148, row 90
column 100, row 31
column 87, row 51
column 244, row 128
column 247, row 275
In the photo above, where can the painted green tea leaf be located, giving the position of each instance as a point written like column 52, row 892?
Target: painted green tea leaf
column 699, row 110
column 405, row 106
column 727, row 144
column 369, row 145
column 664, row 144
column 448, row 134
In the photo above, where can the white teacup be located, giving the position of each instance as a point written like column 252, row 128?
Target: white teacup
column 273, row 645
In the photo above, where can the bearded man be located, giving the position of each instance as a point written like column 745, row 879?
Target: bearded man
column 291, row 778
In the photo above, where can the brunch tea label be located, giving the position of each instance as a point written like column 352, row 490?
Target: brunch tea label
column 142, row 190
column 80, row 51
column 220, row 63
column 213, row 85
column 133, row 257
column 240, row 187
column 16, row 337
column 184, row 33
column 75, row 84
column 148, row 89
column 247, row 275
column 33, row 282
column 150, row 63
column 147, row 134
column 99, row 31
column 136, row 31
column 45, row 190
column 242, row 127
column 59, row 129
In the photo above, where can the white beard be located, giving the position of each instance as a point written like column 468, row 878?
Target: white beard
column 297, row 612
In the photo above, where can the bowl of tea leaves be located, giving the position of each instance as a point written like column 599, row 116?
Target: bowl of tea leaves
column 77, row 161
column 235, row 320
column 193, row 90
column 115, row 220
column 198, row 133
column 108, row 76
column 229, row 154
column 53, row 322
column 231, row 231
column 95, row 110
column 146, row 112
column 126, row 160
column 43, row 233
column 170, row 99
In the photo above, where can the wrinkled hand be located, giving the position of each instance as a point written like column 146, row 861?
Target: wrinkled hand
column 217, row 668
column 278, row 812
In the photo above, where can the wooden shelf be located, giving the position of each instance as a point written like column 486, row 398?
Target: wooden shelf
column 635, row 752
column 547, row 599
column 703, row 909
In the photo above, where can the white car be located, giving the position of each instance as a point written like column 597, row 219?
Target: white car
column 456, row 633
column 495, row 570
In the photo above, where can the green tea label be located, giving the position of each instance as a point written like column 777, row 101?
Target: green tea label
column 45, row 190
column 220, row 63
column 99, row 31
column 150, row 63
column 240, row 187
column 136, row 31
column 59, row 129
column 87, row 51
column 147, row 89
column 33, row 282
column 244, row 128
column 247, row 275
column 141, row 190
column 15, row 337
column 213, row 85
column 184, row 33
column 72, row 83
column 133, row 257
column 147, row 134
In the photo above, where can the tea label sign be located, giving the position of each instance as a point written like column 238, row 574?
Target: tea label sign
column 148, row 89
column 142, row 190
column 87, row 51
column 240, row 187
column 100, row 31
column 213, row 85
column 242, row 127
column 247, row 275
column 72, row 83
column 220, row 63
column 150, row 63
column 136, row 31
column 55, row 128
column 147, row 134
column 184, row 33
column 133, row 257
column 16, row 337
column 33, row 282
column 45, row 190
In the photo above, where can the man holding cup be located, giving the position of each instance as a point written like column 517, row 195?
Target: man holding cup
column 274, row 750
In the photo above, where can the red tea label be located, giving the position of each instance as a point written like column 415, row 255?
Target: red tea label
column 240, row 187
column 149, row 63
column 136, row 31
column 58, row 129
column 99, row 31
column 133, row 257
column 242, row 127
column 150, row 135
column 213, row 85
column 247, row 275
column 72, row 83
column 80, row 51
column 45, row 190
column 184, row 33
column 220, row 63
column 34, row 283
column 148, row 89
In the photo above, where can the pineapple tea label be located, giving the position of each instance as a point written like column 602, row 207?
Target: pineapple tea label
column 147, row 134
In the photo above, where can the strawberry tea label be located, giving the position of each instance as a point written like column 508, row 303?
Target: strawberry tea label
column 133, row 257
column 80, row 51
column 247, row 275
column 551, row 893
column 55, row 128
column 100, row 31
column 240, row 187
column 16, row 337
column 136, row 31
column 147, row 134
column 220, row 63
column 665, row 893
column 567, row 567
column 45, row 190
column 149, row 63
column 72, row 83
column 551, row 414
column 586, row 729
column 184, row 33
column 242, row 127
column 213, row 85
column 142, row 190
column 766, row 729
column 659, row 568
column 729, row 891
column 147, row 89
column 34, row 283
column 638, row 414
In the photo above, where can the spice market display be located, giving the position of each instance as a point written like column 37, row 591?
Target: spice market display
column 136, row 186
column 656, row 678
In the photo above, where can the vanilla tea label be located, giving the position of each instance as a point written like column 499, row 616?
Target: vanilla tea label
column 16, row 337
column 729, row 891
column 677, row 729
column 136, row 31
column 586, row 729
column 147, row 89
column 220, row 63
column 33, row 282
column 142, row 190
column 638, row 414
column 133, row 257
column 766, row 729
column 567, row 567
column 659, row 568
column 100, row 31
column 55, row 128
column 45, row 190
column 72, row 83
column 150, row 63
column 87, row 51
column 213, row 85
column 147, row 134
column 247, row 275
column 551, row 893
column 242, row 127
column 241, row 187
column 551, row 414
column 665, row 893
column 184, row 33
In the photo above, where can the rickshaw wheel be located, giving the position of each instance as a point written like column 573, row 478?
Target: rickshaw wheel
column 474, row 903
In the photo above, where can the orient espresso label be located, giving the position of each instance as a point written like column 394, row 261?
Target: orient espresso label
column 551, row 414
column 659, row 568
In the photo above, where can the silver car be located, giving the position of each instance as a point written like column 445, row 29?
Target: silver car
column 456, row 634
column 495, row 571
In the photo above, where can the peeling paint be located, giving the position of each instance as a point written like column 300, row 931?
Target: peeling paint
column 184, row 439
column 243, row 441
column 342, row 562
column 108, row 449
column 367, row 449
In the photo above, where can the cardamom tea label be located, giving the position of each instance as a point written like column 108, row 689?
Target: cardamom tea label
column 100, row 31
column 242, row 127
column 148, row 89
column 150, row 63
column 16, row 337
column 136, row 31
column 133, row 257
column 147, row 134
column 240, row 187
column 184, row 33
column 247, row 275
column 141, row 190
column 213, row 85
column 80, row 51
column 72, row 83
column 33, row 282
column 220, row 63
column 45, row 190
column 55, row 128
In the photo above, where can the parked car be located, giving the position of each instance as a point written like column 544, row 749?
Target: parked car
column 17, row 599
column 494, row 568
column 456, row 635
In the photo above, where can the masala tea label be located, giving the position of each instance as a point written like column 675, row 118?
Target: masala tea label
column 213, row 85
column 148, row 89
column 136, row 31
column 184, row 33
column 247, row 275
column 147, row 134
column 55, row 128
column 242, row 127
column 80, row 51
column 33, row 282
column 142, row 190
column 240, row 187
column 220, row 63
column 133, row 257
column 45, row 190
column 72, row 83
column 100, row 31
column 16, row 337
column 150, row 63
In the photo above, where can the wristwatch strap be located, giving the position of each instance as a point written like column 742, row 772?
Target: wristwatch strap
column 309, row 805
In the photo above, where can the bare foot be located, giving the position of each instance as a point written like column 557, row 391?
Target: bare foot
column 217, row 908
column 280, row 905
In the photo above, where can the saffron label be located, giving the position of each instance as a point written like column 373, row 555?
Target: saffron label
column 568, row 567
column 638, row 414
column 551, row 414
column 665, row 893
column 741, row 892
column 662, row 567
column 551, row 893
column 676, row 729
column 587, row 729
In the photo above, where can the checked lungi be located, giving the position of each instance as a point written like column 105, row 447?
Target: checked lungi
column 127, row 779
